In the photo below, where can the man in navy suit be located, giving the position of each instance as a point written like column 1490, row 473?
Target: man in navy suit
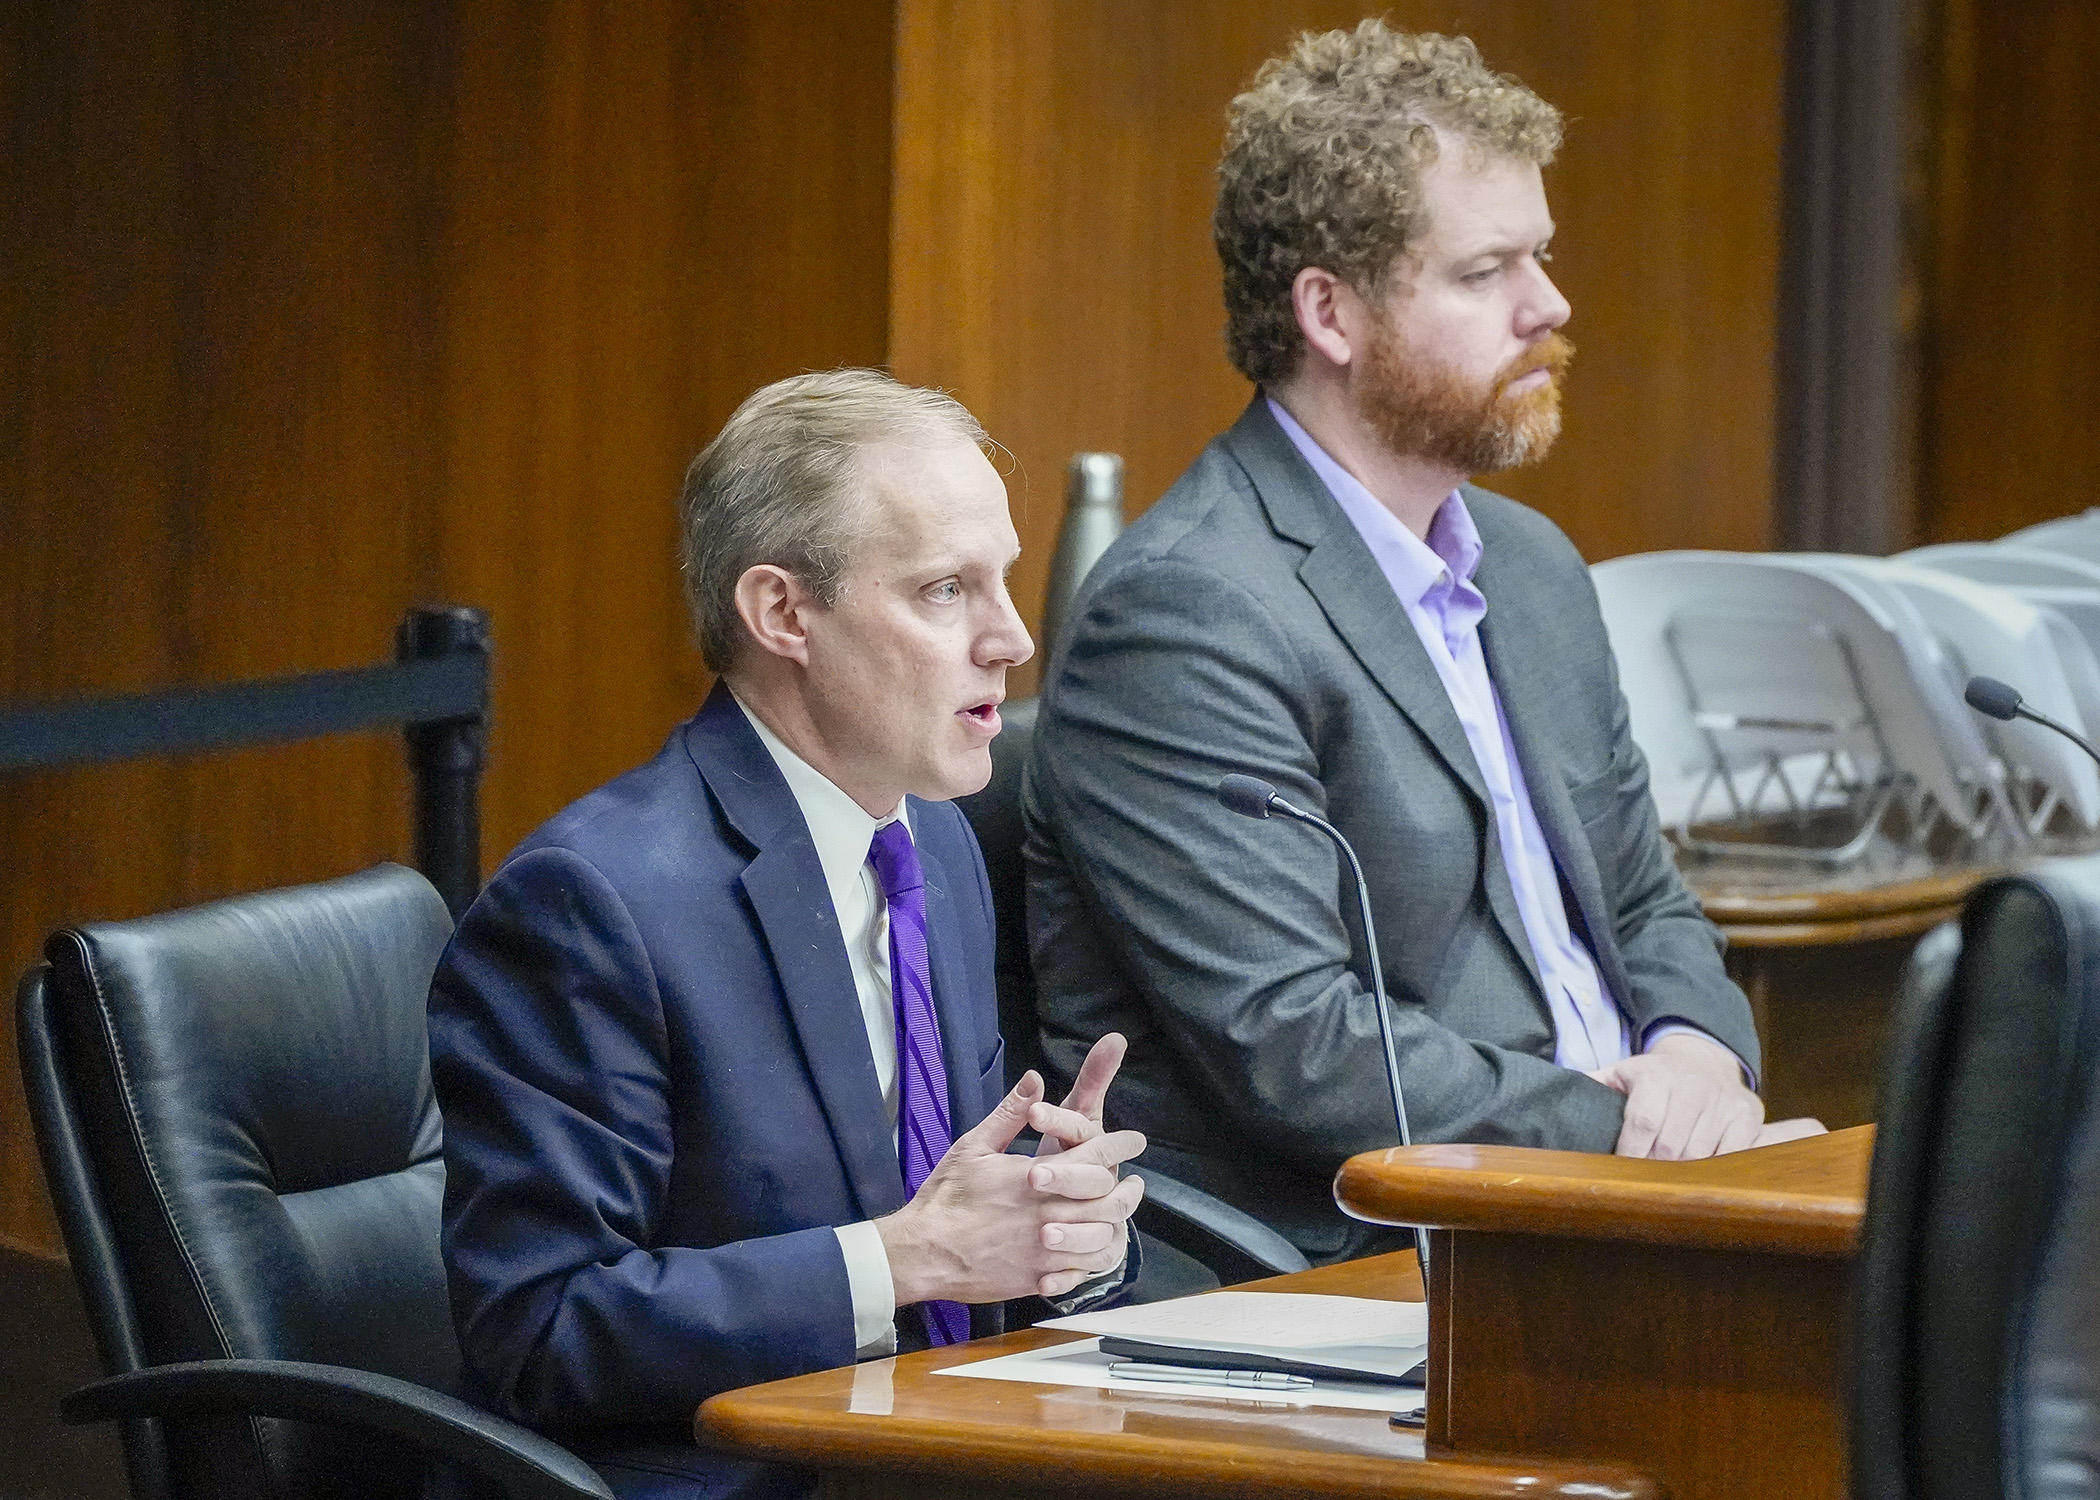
column 717, row 1048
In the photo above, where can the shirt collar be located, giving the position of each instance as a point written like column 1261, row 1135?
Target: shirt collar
column 1413, row 567
column 839, row 827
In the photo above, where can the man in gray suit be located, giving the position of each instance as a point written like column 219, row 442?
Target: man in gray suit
column 1324, row 601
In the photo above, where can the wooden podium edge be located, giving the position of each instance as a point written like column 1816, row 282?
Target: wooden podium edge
column 1754, row 1201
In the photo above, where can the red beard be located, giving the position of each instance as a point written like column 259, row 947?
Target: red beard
column 1427, row 410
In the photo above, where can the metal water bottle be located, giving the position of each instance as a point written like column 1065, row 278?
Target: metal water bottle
column 1093, row 519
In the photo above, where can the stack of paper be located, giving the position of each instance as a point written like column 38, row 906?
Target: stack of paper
column 1081, row 1363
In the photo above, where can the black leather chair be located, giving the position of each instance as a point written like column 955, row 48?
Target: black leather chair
column 1231, row 1245
column 1975, row 1367
column 234, row 1110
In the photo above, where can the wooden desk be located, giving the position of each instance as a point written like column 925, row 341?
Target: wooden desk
column 1763, row 908
column 893, row 1428
column 1686, row 1319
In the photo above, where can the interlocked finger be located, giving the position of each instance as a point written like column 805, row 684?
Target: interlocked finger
column 1087, row 1170
column 996, row 1130
column 1090, row 1088
column 1109, row 1150
column 1067, row 1126
column 1086, row 1238
column 1113, row 1206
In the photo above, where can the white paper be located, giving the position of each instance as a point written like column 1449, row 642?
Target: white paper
column 1083, row 1363
column 1362, row 1333
column 1274, row 1320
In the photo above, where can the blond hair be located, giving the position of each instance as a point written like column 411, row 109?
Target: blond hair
column 1323, row 162
column 781, row 484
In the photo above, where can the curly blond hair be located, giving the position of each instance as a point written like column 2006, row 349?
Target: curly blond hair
column 1323, row 162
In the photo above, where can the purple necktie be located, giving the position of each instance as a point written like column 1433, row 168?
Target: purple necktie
column 923, row 1130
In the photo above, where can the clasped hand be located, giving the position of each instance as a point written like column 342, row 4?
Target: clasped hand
column 985, row 1226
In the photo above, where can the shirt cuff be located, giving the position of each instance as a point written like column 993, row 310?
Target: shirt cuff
column 1665, row 1028
column 873, row 1291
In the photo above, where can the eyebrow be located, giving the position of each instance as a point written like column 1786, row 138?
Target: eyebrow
column 951, row 566
column 1503, row 249
column 1510, row 246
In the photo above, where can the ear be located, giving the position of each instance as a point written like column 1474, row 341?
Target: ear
column 775, row 609
column 1331, row 316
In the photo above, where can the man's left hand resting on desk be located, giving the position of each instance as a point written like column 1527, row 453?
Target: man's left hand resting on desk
column 1686, row 1100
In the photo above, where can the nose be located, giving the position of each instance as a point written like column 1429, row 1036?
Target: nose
column 1004, row 642
column 1543, row 309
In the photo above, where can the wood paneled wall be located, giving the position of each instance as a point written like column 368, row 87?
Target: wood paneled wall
column 1052, row 260
column 2011, row 407
column 312, row 312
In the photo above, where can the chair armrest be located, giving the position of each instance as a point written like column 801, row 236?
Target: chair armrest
column 525, row 1465
column 1235, row 1245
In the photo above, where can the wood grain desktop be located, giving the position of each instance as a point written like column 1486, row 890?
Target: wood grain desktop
column 1598, row 1327
column 894, row 1427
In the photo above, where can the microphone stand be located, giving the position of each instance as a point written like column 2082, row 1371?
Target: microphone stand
column 2066, row 731
column 1257, row 799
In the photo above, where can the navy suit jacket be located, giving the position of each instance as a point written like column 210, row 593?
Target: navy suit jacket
column 659, row 1098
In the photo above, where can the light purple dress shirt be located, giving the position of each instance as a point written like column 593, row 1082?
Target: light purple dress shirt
column 1433, row 581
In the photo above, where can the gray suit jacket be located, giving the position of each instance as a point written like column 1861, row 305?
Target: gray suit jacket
column 1242, row 625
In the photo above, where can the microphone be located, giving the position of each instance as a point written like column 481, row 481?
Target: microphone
column 1251, row 797
column 1999, row 700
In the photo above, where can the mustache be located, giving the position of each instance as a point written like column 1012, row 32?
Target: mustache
column 1551, row 354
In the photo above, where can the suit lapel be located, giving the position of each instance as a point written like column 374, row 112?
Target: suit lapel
column 951, row 1001
column 1375, row 627
column 785, row 885
column 1354, row 595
